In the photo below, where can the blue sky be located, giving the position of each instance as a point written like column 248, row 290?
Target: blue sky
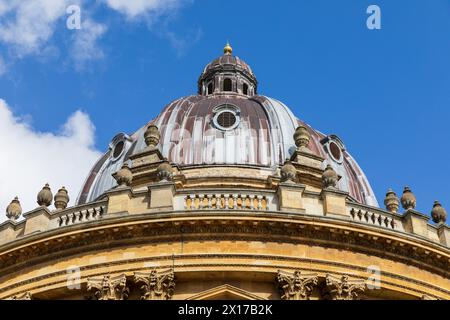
column 384, row 92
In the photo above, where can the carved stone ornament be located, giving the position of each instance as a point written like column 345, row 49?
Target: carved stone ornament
column 342, row 288
column 165, row 172
column 408, row 199
column 124, row 176
column 23, row 296
column 61, row 199
column 329, row 178
column 391, row 201
column 156, row 285
column 288, row 172
column 109, row 288
column 439, row 214
column 45, row 196
column 152, row 136
column 14, row 209
column 296, row 286
column 302, row 137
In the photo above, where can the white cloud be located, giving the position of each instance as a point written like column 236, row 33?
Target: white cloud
column 31, row 158
column 136, row 8
column 85, row 46
column 27, row 25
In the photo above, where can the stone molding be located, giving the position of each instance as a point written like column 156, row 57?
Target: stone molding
column 234, row 228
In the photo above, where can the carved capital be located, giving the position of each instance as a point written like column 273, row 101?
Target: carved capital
column 156, row 285
column 109, row 288
column 342, row 288
column 296, row 286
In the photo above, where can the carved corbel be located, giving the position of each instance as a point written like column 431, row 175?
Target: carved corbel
column 109, row 288
column 156, row 285
column 343, row 288
column 296, row 286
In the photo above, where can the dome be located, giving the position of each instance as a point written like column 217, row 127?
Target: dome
column 227, row 73
column 228, row 128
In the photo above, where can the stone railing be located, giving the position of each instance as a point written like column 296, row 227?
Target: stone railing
column 80, row 216
column 227, row 201
column 376, row 217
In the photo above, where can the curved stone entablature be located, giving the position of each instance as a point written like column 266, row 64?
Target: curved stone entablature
column 225, row 195
column 411, row 265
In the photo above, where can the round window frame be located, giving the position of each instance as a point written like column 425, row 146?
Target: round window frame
column 341, row 152
column 120, row 144
column 219, row 110
column 121, row 138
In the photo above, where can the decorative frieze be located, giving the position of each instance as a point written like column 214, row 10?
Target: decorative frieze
column 226, row 201
column 342, row 288
column 156, row 285
column 296, row 286
column 109, row 288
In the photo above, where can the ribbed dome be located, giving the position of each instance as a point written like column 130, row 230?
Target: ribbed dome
column 227, row 63
column 263, row 137
column 228, row 124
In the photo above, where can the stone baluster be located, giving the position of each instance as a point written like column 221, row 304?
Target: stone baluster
column 201, row 201
column 210, row 196
column 235, row 201
column 218, row 201
column 260, row 199
column 252, row 202
column 192, row 201
column 227, row 201
column 94, row 213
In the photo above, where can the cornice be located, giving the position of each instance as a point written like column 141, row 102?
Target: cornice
column 288, row 228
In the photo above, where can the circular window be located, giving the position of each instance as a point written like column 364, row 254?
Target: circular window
column 335, row 151
column 118, row 149
column 226, row 119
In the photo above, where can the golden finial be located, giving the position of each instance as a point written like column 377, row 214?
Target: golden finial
column 228, row 49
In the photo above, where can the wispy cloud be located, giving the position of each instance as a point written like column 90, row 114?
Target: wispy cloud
column 85, row 43
column 144, row 8
column 158, row 14
column 27, row 27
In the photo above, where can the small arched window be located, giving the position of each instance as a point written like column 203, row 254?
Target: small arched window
column 210, row 88
column 227, row 85
column 245, row 89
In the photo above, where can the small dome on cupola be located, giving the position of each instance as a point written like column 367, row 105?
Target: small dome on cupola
column 227, row 74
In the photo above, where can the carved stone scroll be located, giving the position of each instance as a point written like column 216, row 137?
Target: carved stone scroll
column 343, row 288
column 296, row 286
column 109, row 288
